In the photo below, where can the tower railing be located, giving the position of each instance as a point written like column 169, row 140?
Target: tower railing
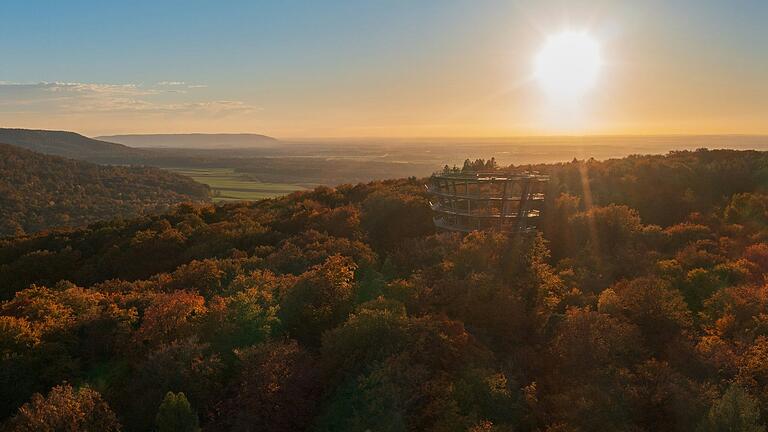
column 486, row 200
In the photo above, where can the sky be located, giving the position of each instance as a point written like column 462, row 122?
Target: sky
column 375, row 68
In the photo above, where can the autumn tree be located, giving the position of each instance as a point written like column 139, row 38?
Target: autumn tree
column 277, row 389
column 385, row 380
column 320, row 299
column 65, row 409
column 169, row 317
column 658, row 311
column 245, row 318
column 390, row 218
column 589, row 351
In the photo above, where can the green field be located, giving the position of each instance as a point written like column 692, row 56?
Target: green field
column 228, row 185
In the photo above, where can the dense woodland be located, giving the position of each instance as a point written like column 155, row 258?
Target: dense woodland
column 640, row 305
column 72, row 145
column 39, row 192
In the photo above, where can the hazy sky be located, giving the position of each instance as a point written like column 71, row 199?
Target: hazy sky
column 378, row 68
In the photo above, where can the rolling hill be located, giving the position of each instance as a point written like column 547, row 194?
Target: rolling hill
column 71, row 145
column 194, row 141
column 40, row 191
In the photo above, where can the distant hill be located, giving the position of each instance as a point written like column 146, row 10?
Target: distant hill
column 194, row 141
column 39, row 191
column 71, row 145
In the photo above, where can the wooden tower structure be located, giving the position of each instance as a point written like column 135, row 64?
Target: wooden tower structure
column 465, row 201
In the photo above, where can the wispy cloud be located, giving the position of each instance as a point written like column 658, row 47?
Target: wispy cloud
column 82, row 98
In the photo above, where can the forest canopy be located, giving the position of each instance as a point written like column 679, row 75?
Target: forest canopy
column 39, row 192
column 640, row 305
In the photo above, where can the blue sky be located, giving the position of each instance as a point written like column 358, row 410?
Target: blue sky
column 375, row 68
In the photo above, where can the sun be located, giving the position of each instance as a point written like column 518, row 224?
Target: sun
column 568, row 64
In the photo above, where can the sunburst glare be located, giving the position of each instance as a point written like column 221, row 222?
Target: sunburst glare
column 568, row 65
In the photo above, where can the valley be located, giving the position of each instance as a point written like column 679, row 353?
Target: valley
column 228, row 185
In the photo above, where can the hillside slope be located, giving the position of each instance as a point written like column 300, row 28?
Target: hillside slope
column 70, row 145
column 194, row 141
column 39, row 191
column 641, row 305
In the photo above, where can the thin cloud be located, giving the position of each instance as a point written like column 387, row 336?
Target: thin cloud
column 78, row 98
column 180, row 84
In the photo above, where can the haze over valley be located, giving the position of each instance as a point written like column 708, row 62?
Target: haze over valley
column 192, row 141
column 254, row 166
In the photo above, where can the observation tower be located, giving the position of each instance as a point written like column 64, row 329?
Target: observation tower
column 505, row 200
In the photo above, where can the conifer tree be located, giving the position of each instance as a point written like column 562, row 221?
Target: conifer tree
column 176, row 415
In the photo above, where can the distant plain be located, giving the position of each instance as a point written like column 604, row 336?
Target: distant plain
column 282, row 167
column 228, row 185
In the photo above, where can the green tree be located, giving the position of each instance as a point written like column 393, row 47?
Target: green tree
column 735, row 411
column 176, row 415
column 749, row 209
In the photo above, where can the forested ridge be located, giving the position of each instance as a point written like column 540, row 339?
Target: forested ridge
column 38, row 192
column 640, row 305
column 71, row 145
